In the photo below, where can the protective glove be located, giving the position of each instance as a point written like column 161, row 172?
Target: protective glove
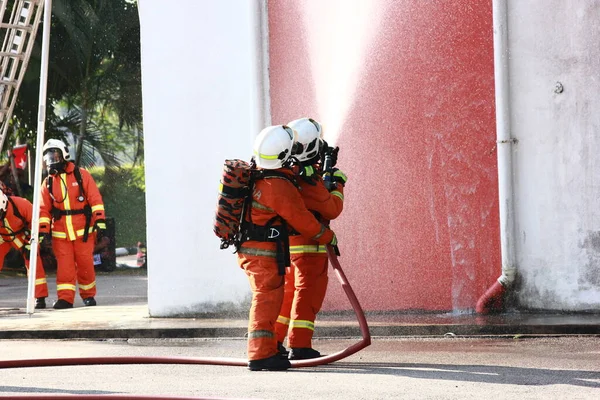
column 309, row 174
column 45, row 241
column 333, row 243
column 100, row 225
column 338, row 176
column 330, row 152
column 334, row 155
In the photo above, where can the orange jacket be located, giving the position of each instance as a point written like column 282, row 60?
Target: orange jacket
column 13, row 230
column 317, row 198
column 64, row 196
column 274, row 196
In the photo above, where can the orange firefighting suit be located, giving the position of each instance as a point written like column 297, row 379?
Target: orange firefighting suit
column 14, row 232
column 306, row 279
column 272, row 197
column 63, row 210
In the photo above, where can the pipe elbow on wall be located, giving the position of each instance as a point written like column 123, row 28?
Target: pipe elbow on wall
column 492, row 300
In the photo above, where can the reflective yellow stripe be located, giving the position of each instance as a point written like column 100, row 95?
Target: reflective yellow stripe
column 308, row 248
column 341, row 175
column 60, row 235
column 303, row 324
column 98, row 207
column 44, row 220
column 258, row 206
column 338, row 194
column 87, row 287
column 283, row 320
column 260, row 334
column 41, row 281
column 266, row 157
column 16, row 240
column 65, row 286
column 81, row 231
column 67, row 206
column 257, row 252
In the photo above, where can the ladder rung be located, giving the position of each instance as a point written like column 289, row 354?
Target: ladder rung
column 8, row 83
column 15, row 55
column 15, row 26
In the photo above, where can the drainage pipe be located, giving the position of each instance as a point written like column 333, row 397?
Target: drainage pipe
column 493, row 298
column 366, row 341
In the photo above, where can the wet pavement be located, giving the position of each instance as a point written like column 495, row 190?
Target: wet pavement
column 122, row 313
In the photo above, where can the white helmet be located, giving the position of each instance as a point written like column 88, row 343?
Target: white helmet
column 309, row 138
column 57, row 144
column 3, row 203
column 273, row 146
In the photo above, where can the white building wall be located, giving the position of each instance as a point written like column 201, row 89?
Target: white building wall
column 557, row 158
column 203, row 103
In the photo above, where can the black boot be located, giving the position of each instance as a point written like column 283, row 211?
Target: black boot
column 283, row 352
column 40, row 303
column 61, row 304
column 90, row 301
column 303, row 353
column 273, row 363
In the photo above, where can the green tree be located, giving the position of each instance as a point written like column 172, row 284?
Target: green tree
column 94, row 80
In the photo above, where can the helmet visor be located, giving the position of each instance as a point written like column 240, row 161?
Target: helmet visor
column 53, row 156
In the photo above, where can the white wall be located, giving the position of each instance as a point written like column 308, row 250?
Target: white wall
column 203, row 103
column 557, row 158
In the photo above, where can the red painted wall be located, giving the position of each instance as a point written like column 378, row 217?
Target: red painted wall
column 420, row 227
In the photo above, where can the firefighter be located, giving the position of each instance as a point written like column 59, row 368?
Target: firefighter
column 306, row 280
column 276, row 208
column 71, row 208
column 15, row 225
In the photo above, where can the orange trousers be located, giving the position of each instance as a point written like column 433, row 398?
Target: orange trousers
column 267, row 294
column 41, row 285
column 305, row 288
column 75, row 265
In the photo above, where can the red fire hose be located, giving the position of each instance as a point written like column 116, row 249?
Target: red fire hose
column 53, row 362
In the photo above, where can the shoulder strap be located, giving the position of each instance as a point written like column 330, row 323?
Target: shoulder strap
column 77, row 173
column 25, row 227
column 16, row 210
column 78, row 178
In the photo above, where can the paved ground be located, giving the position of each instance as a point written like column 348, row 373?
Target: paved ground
column 436, row 356
column 391, row 368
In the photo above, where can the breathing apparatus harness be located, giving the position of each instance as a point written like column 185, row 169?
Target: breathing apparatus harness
column 13, row 234
column 276, row 229
column 58, row 213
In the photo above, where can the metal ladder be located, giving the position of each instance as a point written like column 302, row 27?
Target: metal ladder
column 18, row 36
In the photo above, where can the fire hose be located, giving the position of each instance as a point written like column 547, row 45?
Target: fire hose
column 53, row 362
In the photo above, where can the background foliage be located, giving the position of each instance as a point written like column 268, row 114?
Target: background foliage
column 94, row 102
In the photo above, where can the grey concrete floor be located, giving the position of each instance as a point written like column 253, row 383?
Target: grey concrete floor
column 565, row 367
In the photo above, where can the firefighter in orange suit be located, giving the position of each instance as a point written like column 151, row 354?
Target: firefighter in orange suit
column 276, row 210
column 306, row 280
column 71, row 208
column 15, row 224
